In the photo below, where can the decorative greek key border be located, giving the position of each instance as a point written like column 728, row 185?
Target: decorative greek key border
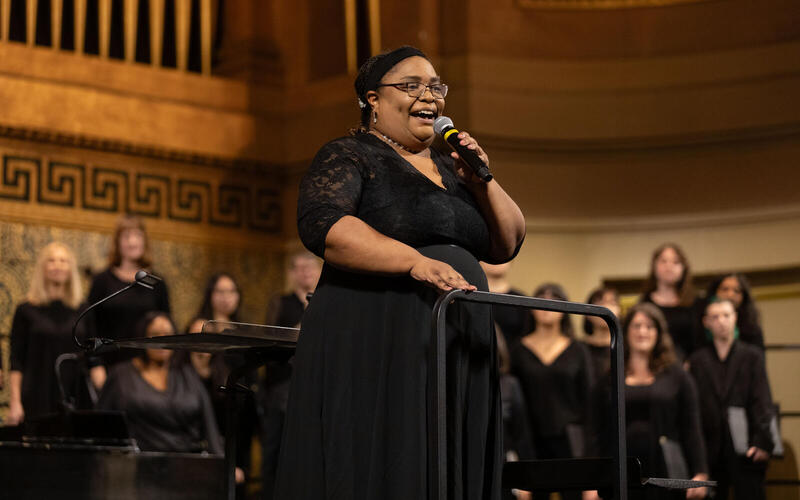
column 248, row 205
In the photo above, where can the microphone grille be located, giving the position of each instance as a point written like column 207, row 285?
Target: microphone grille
column 442, row 123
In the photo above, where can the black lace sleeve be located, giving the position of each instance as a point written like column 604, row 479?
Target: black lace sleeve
column 329, row 190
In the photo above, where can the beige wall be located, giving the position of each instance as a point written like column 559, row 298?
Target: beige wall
column 581, row 259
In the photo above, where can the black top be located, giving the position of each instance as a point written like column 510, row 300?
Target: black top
column 557, row 394
column 287, row 311
column 356, row 424
column 601, row 360
column 668, row 407
column 638, row 417
column 39, row 334
column 683, row 326
column 516, row 423
column 274, row 392
column 364, row 177
column 751, row 333
column 118, row 318
column 514, row 322
column 179, row 419
column 739, row 381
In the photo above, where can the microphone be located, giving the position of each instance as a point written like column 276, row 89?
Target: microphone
column 142, row 278
column 147, row 280
column 444, row 127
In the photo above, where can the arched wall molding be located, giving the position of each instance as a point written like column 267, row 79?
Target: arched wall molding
column 665, row 222
column 624, row 100
column 665, row 142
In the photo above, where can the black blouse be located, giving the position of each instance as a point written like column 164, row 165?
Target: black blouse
column 557, row 394
column 364, row 177
column 286, row 310
column 601, row 361
column 514, row 322
column 683, row 326
column 39, row 334
column 516, row 431
column 118, row 318
column 666, row 408
column 179, row 419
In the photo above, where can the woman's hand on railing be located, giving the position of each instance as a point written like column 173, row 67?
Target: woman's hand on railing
column 591, row 495
column 698, row 492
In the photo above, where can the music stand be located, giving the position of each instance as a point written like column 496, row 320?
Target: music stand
column 249, row 345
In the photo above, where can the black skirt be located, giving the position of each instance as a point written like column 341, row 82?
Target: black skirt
column 357, row 421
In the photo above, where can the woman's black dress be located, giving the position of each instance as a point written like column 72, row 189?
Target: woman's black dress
column 558, row 397
column 119, row 317
column 661, row 416
column 357, row 421
column 683, row 326
column 39, row 335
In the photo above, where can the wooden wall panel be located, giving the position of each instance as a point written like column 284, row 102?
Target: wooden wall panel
column 327, row 55
column 517, row 28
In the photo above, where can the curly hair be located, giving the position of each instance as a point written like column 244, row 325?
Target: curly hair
column 663, row 354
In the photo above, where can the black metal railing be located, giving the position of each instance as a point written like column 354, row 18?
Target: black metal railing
column 437, row 436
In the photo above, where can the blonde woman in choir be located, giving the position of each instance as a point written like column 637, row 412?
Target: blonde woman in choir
column 41, row 331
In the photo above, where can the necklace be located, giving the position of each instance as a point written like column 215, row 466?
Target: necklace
column 395, row 143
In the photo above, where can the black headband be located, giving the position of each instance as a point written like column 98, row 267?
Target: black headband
column 384, row 64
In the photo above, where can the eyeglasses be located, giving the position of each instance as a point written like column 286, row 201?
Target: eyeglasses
column 417, row 89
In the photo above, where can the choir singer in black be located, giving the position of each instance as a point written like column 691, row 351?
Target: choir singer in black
column 397, row 222
column 735, row 405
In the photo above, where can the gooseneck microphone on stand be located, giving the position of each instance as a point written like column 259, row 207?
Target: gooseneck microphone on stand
column 142, row 278
column 444, row 126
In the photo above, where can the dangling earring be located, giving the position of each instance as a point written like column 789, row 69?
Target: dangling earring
column 375, row 118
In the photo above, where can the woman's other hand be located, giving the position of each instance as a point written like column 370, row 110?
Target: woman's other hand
column 757, row 454
column 439, row 275
column 239, row 475
column 97, row 374
column 16, row 414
